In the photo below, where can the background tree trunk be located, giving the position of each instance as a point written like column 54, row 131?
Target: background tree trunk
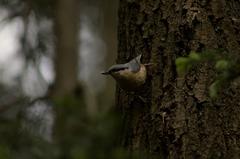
column 178, row 119
column 66, row 29
column 67, row 92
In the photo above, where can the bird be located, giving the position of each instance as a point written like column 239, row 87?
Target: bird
column 130, row 76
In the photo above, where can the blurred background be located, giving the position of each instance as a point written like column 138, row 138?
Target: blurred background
column 54, row 103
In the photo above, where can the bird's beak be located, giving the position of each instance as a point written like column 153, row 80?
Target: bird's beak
column 105, row 73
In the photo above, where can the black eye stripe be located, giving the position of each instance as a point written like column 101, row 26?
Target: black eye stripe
column 117, row 69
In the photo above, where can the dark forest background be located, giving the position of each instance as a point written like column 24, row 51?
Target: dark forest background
column 54, row 101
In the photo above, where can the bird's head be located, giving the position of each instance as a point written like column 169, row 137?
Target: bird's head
column 132, row 66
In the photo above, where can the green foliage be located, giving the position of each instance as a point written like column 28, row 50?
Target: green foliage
column 213, row 89
column 18, row 143
column 4, row 152
column 222, row 65
column 226, row 69
column 185, row 63
column 194, row 56
column 80, row 136
column 182, row 64
column 76, row 136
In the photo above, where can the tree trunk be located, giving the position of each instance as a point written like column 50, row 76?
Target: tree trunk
column 66, row 58
column 177, row 119
column 67, row 94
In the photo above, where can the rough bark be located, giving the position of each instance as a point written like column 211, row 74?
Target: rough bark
column 178, row 119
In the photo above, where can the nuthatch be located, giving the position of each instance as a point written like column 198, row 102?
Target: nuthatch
column 130, row 76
